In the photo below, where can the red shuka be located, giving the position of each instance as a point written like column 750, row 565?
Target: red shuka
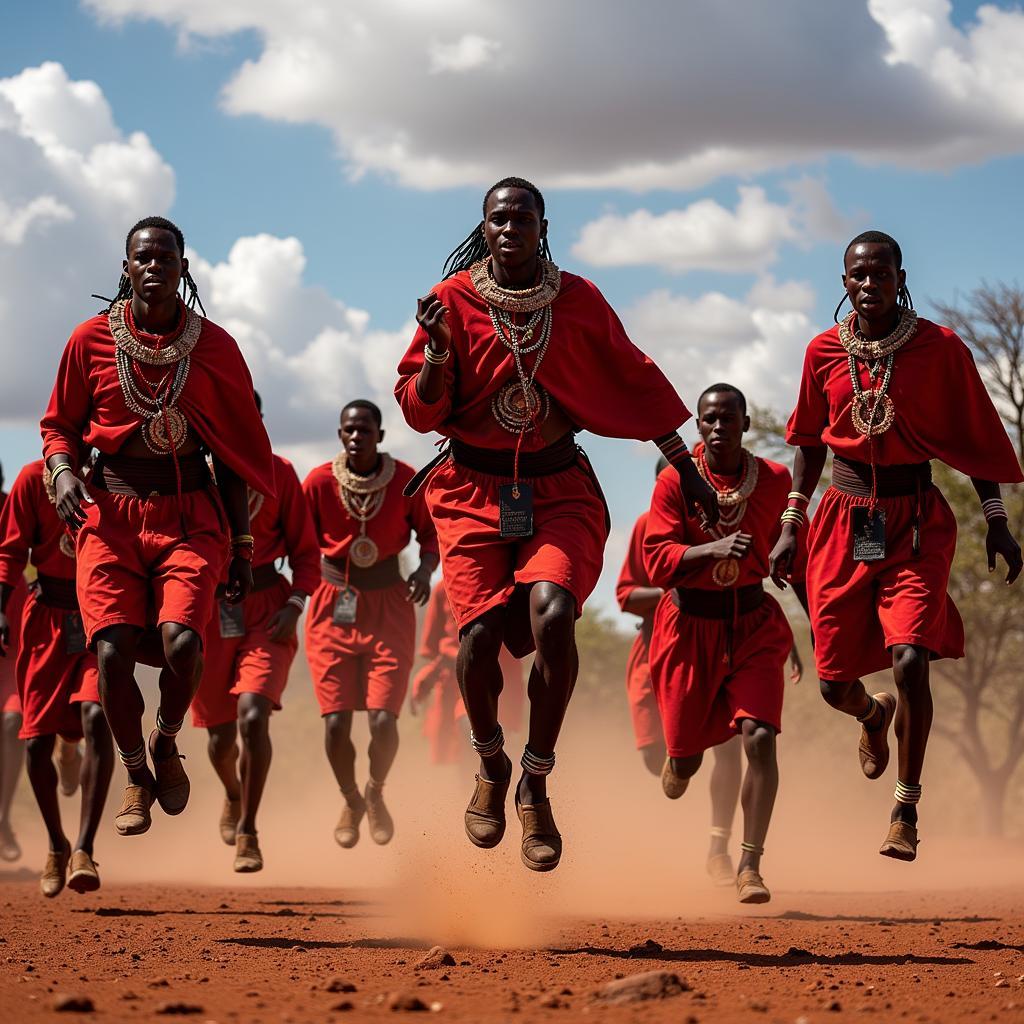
column 31, row 529
column 643, row 705
column 435, row 681
column 593, row 371
column 860, row 610
column 217, row 400
column 10, row 704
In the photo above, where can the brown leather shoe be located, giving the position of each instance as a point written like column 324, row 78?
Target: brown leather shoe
column 172, row 785
column 228, row 823
column 542, row 843
column 9, row 848
column 673, row 786
column 247, row 854
column 382, row 827
column 721, row 870
column 82, row 873
column 485, row 815
column 750, row 887
column 134, row 818
column 51, row 881
column 874, row 744
column 346, row 832
column 69, row 766
column 901, row 842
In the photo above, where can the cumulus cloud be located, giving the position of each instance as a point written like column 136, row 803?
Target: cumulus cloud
column 597, row 93
column 707, row 236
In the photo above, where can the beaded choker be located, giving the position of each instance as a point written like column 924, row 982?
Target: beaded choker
column 859, row 346
column 514, row 300
column 362, row 498
column 171, row 349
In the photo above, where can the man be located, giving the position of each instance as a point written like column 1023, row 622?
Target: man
column 153, row 386
column 719, row 643
column 511, row 357
column 249, row 651
column 361, row 627
column 57, row 677
column 637, row 597
column 11, row 759
column 889, row 391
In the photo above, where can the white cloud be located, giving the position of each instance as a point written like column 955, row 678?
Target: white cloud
column 599, row 93
column 15, row 223
column 707, row 236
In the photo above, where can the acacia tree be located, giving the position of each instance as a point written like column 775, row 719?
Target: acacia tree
column 981, row 710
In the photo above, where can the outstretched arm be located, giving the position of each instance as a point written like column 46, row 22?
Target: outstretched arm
column 999, row 540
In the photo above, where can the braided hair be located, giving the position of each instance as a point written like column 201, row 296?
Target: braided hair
column 189, row 291
column 903, row 298
column 474, row 246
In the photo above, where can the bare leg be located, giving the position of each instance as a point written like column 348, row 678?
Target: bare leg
column 11, row 762
column 179, row 680
column 913, row 720
column 223, row 753
column 480, row 682
column 383, row 744
column 726, row 776
column 254, row 727
column 850, row 698
column 97, row 768
column 653, row 757
column 341, row 753
column 760, row 786
column 42, row 773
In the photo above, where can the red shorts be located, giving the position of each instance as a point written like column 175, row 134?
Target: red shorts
column 859, row 610
column 246, row 664
column 364, row 666
column 481, row 569
column 10, row 702
column 52, row 683
column 702, row 694
column 643, row 705
column 134, row 567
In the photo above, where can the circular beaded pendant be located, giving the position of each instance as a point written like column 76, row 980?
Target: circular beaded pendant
column 516, row 408
column 726, row 572
column 156, row 429
column 868, row 418
column 363, row 552
column 67, row 545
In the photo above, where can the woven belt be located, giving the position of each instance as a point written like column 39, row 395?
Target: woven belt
column 57, row 592
column 148, row 478
column 264, row 576
column 383, row 574
column 555, row 458
column 891, row 481
column 720, row 604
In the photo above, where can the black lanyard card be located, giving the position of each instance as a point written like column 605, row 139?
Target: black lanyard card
column 74, row 633
column 868, row 534
column 345, row 607
column 232, row 620
column 515, row 510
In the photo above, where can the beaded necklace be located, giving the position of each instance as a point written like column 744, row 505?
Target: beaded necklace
column 362, row 497
column 515, row 300
column 732, row 501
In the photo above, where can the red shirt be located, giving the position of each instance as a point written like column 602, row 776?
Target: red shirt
column 634, row 572
column 943, row 410
column 671, row 530
column 282, row 527
column 31, row 529
column 593, row 371
column 217, row 400
column 391, row 529
column 440, row 636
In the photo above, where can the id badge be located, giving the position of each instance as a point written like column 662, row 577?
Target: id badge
column 515, row 514
column 868, row 534
column 74, row 633
column 345, row 606
column 232, row 620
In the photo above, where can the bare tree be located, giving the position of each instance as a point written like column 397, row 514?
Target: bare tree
column 981, row 710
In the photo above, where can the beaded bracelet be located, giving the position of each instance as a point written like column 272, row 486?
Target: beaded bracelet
column 994, row 509
column 796, row 516
column 675, row 450
column 795, row 498
column 433, row 358
column 297, row 601
column 56, row 472
column 243, row 540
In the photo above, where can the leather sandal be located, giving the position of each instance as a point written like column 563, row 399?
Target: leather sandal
column 82, row 873
column 134, row 818
column 378, row 817
column 346, row 832
column 750, row 887
column 228, row 823
column 51, row 881
column 542, row 843
column 874, row 743
column 172, row 785
column 901, row 842
column 673, row 786
column 485, row 815
column 248, row 857
column 721, row 870
column 9, row 849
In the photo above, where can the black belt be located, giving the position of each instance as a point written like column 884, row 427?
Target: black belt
column 57, row 592
column 890, row 481
column 148, row 478
column 379, row 576
column 720, row 604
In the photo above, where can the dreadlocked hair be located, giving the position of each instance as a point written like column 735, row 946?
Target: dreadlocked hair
column 474, row 246
column 189, row 290
column 903, row 298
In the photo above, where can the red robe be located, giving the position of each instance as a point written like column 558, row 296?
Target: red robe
column 860, row 610
column 52, row 681
column 365, row 665
column 10, row 702
column 710, row 674
column 282, row 527
column 603, row 383
column 643, row 705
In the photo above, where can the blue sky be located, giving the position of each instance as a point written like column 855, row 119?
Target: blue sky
column 876, row 155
